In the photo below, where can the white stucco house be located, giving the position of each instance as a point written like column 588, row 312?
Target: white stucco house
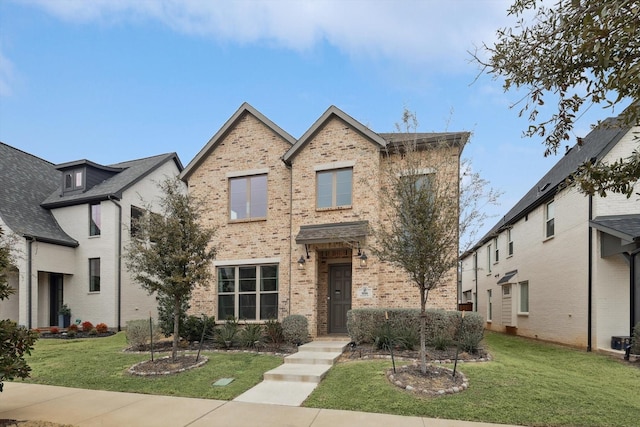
column 562, row 266
column 69, row 225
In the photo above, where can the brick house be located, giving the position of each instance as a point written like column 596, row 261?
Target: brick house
column 294, row 218
column 70, row 224
column 561, row 266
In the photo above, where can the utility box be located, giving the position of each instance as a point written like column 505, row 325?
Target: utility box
column 620, row 342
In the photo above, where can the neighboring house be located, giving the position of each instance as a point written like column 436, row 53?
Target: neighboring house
column 562, row 266
column 70, row 224
column 294, row 219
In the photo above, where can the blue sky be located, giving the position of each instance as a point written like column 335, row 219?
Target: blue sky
column 114, row 80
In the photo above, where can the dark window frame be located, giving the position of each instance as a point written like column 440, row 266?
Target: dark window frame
column 94, row 275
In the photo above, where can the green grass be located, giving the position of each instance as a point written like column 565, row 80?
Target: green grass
column 100, row 364
column 527, row 383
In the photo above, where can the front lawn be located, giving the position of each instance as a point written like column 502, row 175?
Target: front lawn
column 527, row 383
column 100, row 363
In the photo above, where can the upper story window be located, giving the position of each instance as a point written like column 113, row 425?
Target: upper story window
column 74, row 180
column 94, row 219
column 509, row 243
column 137, row 214
column 334, row 188
column 489, row 258
column 496, row 250
column 549, row 217
column 248, row 197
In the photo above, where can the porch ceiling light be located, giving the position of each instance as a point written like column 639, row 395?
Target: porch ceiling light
column 301, row 262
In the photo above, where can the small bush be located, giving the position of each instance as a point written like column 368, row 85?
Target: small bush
column 295, row 329
column 273, row 331
column 72, row 333
column 472, row 331
column 635, row 339
column 191, row 328
column 227, row 334
column 93, row 332
column 251, row 336
column 87, row 326
column 138, row 333
column 102, row 328
column 73, row 328
column 54, row 330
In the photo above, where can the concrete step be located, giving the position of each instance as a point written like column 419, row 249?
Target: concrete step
column 278, row 393
column 297, row 372
column 313, row 358
column 324, row 346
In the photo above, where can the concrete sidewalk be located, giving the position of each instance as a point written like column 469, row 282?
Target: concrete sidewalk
column 82, row 408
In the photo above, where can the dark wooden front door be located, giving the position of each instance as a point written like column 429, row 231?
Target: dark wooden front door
column 339, row 297
column 55, row 297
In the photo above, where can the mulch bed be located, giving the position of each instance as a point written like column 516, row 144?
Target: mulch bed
column 66, row 336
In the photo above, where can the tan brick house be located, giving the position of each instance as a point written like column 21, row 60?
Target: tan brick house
column 294, row 219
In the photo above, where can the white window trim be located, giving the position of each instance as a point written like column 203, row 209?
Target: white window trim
column 523, row 313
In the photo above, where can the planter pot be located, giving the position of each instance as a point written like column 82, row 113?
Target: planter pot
column 64, row 320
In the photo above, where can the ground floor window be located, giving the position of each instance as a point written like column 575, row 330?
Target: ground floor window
column 523, row 307
column 94, row 274
column 489, row 306
column 248, row 292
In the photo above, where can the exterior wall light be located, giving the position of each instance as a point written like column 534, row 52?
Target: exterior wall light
column 363, row 260
column 301, row 262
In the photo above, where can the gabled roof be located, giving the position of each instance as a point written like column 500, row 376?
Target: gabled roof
column 245, row 108
column 130, row 173
column 26, row 181
column 594, row 146
column 328, row 115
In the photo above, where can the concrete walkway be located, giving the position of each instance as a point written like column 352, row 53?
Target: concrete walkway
column 84, row 408
column 292, row 382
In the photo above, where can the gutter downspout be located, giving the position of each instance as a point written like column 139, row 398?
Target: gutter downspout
column 475, row 273
column 119, row 287
column 590, row 278
column 289, row 167
column 30, row 240
column 633, row 314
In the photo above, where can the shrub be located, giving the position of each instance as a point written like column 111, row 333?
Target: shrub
column 472, row 331
column 54, row 330
column 251, row 336
column 71, row 333
column 273, row 331
column 87, row 326
column 72, row 328
column 635, row 339
column 93, row 331
column 227, row 334
column 138, row 333
column 191, row 328
column 363, row 324
column 102, row 328
column 165, row 314
column 295, row 329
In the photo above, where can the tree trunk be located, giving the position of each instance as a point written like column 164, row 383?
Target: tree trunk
column 176, row 327
column 423, row 330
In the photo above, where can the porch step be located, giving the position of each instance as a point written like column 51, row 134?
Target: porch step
column 313, row 358
column 306, row 373
column 324, row 346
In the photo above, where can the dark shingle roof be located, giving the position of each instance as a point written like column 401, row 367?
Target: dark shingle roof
column 594, row 146
column 132, row 172
column 26, row 181
column 626, row 227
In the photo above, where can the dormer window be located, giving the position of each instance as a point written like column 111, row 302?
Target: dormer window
column 74, row 180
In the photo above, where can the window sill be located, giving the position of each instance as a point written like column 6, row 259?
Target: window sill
column 95, row 236
column 334, row 208
column 93, row 293
column 523, row 314
column 245, row 220
column 546, row 239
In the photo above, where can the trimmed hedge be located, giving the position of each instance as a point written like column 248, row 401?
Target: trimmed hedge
column 295, row 329
column 365, row 325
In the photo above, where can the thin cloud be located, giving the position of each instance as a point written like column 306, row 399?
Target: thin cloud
column 414, row 32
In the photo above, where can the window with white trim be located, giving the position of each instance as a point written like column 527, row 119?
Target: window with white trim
column 549, row 217
column 248, row 292
column 496, row 257
column 523, row 304
column 74, row 180
column 334, row 188
column 489, row 258
column 489, row 306
column 509, row 243
column 248, row 197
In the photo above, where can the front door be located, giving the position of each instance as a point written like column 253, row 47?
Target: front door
column 339, row 297
column 55, row 297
